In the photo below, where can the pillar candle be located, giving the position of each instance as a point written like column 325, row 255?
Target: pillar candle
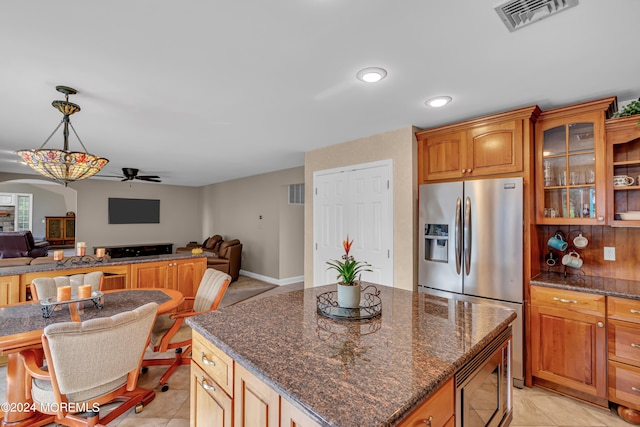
column 64, row 293
column 58, row 255
column 84, row 291
column 81, row 248
column 100, row 252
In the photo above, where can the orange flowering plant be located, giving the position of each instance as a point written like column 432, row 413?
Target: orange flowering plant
column 348, row 269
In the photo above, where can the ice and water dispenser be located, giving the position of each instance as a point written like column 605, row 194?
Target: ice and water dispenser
column 436, row 242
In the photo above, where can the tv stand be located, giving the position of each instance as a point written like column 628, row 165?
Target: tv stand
column 124, row 251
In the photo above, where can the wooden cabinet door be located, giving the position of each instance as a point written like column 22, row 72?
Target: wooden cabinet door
column 209, row 404
column 290, row 416
column 255, row 403
column 443, row 156
column 9, row 290
column 185, row 276
column 55, row 230
column 569, row 349
column 70, row 229
column 150, row 275
column 494, row 149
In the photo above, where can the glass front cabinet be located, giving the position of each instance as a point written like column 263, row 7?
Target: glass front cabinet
column 570, row 163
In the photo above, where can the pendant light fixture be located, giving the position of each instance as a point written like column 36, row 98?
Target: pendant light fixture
column 63, row 166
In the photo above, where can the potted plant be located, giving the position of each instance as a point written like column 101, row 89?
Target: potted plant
column 631, row 109
column 349, row 271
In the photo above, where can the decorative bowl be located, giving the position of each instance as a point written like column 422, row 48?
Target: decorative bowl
column 630, row 216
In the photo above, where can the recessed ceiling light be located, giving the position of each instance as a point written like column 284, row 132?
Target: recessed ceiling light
column 371, row 74
column 438, row 101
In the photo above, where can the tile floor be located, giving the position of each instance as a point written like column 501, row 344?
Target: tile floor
column 533, row 407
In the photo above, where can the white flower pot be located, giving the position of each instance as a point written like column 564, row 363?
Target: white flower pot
column 349, row 296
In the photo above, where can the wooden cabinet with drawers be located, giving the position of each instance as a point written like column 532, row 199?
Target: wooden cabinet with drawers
column 568, row 343
column 624, row 353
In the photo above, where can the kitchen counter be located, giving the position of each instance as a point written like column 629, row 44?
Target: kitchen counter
column 352, row 374
column 52, row 266
column 590, row 284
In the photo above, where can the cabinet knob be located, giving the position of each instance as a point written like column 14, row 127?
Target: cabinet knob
column 429, row 421
column 469, row 170
column 600, row 218
column 462, row 171
column 600, row 324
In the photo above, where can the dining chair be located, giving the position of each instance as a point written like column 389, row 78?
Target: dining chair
column 45, row 287
column 89, row 364
column 170, row 331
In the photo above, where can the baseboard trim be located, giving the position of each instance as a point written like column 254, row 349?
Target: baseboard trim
column 279, row 282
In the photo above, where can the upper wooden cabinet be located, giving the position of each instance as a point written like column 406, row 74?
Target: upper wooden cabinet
column 491, row 145
column 623, row 150
column 570, row 167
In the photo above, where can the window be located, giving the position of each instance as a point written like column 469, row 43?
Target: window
column 24, row 209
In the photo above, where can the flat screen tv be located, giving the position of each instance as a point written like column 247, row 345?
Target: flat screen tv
column 134, row 211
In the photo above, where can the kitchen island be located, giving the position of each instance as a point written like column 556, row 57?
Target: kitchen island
column 343, row 373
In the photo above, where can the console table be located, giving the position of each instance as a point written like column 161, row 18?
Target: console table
column 122, row 251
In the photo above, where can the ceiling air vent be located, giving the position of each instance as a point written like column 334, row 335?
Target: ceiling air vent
column 517, row 13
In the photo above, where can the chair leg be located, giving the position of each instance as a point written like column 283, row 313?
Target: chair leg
column 179, row 360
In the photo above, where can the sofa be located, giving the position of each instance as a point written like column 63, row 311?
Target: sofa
column 210, row 246
column 17, row 244
column 228, row 259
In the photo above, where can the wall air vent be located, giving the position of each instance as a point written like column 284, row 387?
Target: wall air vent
column 517, row 13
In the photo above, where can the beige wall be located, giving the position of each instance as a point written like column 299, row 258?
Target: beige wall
column 180, row 212
column 400, row 146
column 255, row 211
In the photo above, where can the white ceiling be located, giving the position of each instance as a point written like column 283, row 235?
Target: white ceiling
column 203, row 91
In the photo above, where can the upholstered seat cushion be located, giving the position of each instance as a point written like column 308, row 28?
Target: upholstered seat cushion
column 120, row 339
column 162, row 325
column 42, row 391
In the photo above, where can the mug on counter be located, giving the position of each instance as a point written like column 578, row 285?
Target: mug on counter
column 551, row 259
column 623, row 181
column 557, row 242
column 572, row 259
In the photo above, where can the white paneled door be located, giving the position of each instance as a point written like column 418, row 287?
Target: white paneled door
column 356, row 201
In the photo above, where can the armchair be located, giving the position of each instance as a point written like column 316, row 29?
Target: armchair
column 170, row 331
column 14, row 244
column 89, row 364
column 45, row 287
column 228, row 259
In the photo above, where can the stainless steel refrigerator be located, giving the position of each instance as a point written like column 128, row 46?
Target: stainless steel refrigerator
column 471, row 247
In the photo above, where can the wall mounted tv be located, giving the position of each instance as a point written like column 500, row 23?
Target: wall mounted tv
column 134, row 211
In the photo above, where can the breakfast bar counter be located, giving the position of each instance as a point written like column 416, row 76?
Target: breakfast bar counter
column 351, row 373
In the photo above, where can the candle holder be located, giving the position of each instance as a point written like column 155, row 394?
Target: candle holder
column 79, row 260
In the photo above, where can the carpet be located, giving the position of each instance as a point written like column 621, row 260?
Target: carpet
column 242, row 289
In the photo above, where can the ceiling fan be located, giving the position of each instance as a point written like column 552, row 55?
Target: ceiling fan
column 129, row 174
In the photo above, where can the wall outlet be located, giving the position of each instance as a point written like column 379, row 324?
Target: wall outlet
column 609, row 253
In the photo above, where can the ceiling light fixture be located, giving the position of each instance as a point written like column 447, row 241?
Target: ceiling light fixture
column 63, row 166
column 438, row 101
column 371, row 74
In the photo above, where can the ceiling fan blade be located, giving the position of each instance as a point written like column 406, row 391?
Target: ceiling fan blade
column 151, row 178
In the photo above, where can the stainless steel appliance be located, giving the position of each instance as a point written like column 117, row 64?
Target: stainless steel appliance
column 483, row 390
column 471, row 247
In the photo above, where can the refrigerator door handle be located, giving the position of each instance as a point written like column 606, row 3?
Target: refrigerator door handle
column 457, row 237
column 467, row 236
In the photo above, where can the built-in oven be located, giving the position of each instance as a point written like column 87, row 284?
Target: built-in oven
column 484, row 386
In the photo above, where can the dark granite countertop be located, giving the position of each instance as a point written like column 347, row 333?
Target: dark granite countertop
column 23, row 269
column 590, row 284
column 351, row 374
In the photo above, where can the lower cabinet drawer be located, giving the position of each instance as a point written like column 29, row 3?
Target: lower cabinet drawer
column 209, row 404
column 437, row 411
column 623, row 309
column 624, row 384
column 568, row 300
column 624, row 342
column 213, row 361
